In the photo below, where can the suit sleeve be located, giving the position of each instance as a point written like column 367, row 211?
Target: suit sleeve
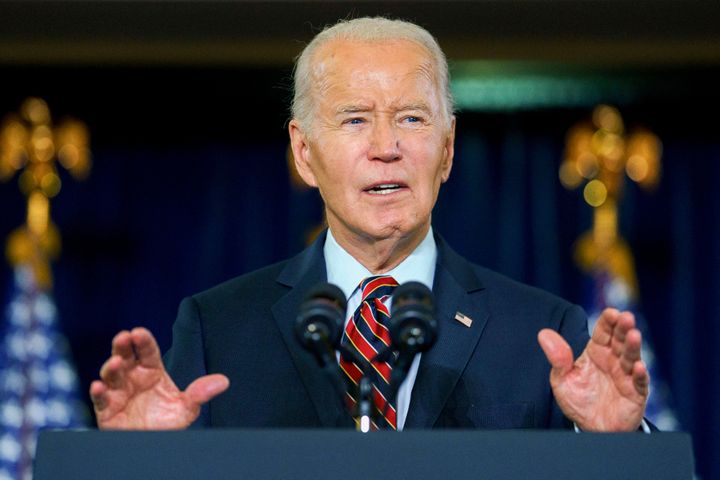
column 574, row 329
column 185, row 361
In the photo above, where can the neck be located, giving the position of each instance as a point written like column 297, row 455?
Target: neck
column 379, row 255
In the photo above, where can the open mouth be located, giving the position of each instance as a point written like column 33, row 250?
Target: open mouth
column 384, row 188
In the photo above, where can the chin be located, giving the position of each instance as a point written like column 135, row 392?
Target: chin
column 399, row 228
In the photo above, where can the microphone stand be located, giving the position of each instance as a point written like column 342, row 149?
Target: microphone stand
column 402, row 360
column 364, row 406
column 365, row 409
column 321, row 348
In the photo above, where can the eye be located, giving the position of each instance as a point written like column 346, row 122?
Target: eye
column 354, row 121
column 412, row 119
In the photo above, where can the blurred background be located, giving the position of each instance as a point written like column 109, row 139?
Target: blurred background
column 186, row 104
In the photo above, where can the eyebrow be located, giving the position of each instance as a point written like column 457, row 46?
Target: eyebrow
column 421, row 106
column 352, row 108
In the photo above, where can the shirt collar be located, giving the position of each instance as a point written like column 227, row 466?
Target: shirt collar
column 347, row 273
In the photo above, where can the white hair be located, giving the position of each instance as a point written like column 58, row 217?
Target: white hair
column 368, row 29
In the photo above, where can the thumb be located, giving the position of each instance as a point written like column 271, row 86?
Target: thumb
column 206, row 388
column 557, row 351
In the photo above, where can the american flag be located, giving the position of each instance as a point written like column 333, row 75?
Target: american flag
column 613, row 291
column 38, row 383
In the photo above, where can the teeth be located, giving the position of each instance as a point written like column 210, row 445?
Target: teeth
column 384, row 189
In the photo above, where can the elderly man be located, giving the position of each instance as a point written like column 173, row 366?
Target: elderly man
column 373, row 130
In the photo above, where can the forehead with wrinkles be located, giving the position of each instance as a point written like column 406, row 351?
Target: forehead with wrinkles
column 334, row 60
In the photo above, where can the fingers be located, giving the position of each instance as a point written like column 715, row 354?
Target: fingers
column 122, row 359
column 557, row 351
column 629, row 352
column 129, row 349
column 122, row 345
column 113, row 372
column 641, row 378
column 206, row 388
column 146, row 348
column 137, row 345
column 617, row 331
column 98, row 395
column 632, row 364
column 624, row 324
column 604, row 327
column 612, row 329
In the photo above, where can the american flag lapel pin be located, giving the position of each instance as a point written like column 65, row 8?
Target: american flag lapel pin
column 464, row 319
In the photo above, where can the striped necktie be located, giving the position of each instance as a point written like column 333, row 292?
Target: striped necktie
column 366, row 333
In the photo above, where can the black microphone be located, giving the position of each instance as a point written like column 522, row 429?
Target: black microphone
column 412, row 325
column 318, row 328
column 320, row 321
column 413, row 328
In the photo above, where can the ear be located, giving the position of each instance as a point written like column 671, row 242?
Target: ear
column 449, row 152
column 301, row 152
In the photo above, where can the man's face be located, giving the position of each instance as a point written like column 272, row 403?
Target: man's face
column 379, row 146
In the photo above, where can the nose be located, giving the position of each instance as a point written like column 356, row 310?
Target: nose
column 385, row 142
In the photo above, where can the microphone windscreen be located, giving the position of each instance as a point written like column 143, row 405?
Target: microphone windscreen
column 330, row 292
column 412, row 292
column 413, row 327
column 321, row 315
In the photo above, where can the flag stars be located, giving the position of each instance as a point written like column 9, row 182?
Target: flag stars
column 11, row 415
column 62, row 376
column 39, row 378
column 13, row 381
column 44, row 310
column 38, row 344
column 58, row 413
column 20, row 314
column 9, row 448
column 16, row 346
column 35, row 412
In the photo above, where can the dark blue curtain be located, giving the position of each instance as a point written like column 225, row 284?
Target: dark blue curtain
column 167, row 214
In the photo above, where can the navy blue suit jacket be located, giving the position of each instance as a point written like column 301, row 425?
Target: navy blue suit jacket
column 492, row 374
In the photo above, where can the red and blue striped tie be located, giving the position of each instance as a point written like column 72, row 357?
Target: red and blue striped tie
column 366, row 333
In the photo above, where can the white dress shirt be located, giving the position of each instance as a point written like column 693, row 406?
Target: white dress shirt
column 347, row 273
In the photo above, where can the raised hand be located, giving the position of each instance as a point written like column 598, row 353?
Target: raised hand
column 135, row 391
column 606, row 388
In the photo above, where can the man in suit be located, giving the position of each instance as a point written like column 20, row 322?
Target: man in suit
column 373, row 130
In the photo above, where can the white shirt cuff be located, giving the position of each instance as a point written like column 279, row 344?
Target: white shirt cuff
column 643, row 424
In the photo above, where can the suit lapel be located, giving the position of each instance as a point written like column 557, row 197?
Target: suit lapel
column 301, row 274
column 456, row 289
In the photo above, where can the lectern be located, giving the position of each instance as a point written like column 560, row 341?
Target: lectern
column 339, row 455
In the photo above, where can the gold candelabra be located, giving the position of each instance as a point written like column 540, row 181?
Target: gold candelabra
column 31, row 143
column 600, row 155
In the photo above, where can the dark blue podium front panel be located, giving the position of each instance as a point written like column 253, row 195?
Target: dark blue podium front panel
column 340, row 455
